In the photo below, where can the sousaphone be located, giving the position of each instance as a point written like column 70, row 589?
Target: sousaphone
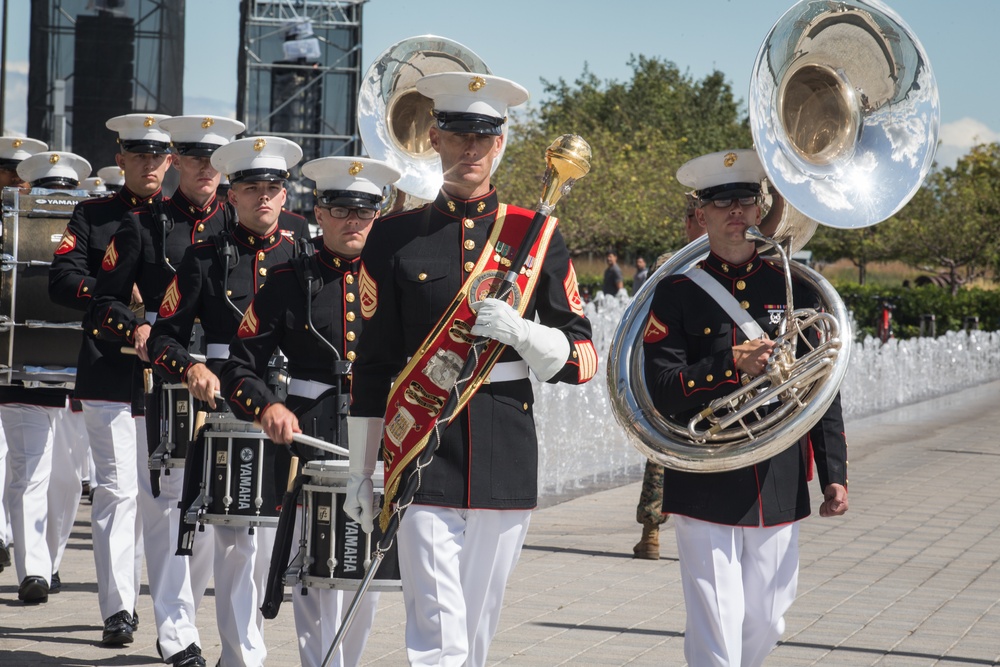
column 394, row 118
column 844, row 113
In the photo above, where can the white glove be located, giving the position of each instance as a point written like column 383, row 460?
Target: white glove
column 545, row 349
column 364, row 436
column 359, row 501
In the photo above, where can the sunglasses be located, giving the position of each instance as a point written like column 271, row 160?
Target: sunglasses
column 726, row 203
column 341, row 212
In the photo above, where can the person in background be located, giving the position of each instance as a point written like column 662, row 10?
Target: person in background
column 641, row 273
column 649, row 512
column 12, row 151
column 30, row 414
column 613, row 282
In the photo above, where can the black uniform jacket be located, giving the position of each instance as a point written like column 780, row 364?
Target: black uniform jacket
column 278, row 317
column 103, row 372
column 145, row 251
column 418, row 261
column 688, row 345
column 200, row 290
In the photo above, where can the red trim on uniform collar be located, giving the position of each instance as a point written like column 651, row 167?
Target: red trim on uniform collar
column 256, row 241
column 720, row 266
column 480, row 207
column 332, row 260
column 185, row 206
column 127, row 196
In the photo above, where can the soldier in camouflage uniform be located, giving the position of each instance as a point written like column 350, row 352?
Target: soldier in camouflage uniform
column 649, row 511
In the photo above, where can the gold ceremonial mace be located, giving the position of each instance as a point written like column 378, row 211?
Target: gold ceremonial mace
column 567, row 161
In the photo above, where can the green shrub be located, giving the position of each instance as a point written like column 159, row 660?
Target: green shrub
column 910, row 304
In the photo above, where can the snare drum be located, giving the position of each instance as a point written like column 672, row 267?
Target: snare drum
column 176, row 421
column 39, row 340
column 238, row 483
column 337, row 551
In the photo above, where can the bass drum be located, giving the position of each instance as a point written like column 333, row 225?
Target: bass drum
column 39, row 340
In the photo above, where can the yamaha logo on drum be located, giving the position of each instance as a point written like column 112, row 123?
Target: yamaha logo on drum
column 246, row 478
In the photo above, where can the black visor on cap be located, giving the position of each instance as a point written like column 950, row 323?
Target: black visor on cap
column 729, row 191
column 258, row 175
column 144, row 146
column 349, row 199
column 195, row 149
column 469, row 123
column 9, row 163
column 55, row 182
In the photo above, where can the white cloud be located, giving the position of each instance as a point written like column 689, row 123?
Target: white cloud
column 957, row 138
column 20, row 66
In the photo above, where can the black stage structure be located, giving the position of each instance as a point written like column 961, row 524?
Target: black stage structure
column 94, row 59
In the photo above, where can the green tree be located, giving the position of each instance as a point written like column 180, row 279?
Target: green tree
column 640, row 132
column 860, row 246
column 952, row 223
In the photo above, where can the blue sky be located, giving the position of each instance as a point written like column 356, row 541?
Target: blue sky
column 528, row 40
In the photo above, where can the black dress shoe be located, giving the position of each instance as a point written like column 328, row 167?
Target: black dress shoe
column 33, row 590
column 189, row 657
column 118, row 629
column 55, row 584
column 135, row 621
column 4, row 556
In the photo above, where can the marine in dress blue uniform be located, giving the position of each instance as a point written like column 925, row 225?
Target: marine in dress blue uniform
column 12, row 151
column 317, row 324
column 737, row 530
column 30, row 417
column 144, row 253
column 460, row 539
column 215, row 284
column 106, row 380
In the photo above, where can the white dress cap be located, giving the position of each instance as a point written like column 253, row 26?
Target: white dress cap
column 112, row 176
column 723, row 175
column 140, row 132
column 93, row 184
column 469, row 102
column 257, row 159
column 15, row 149
column 350, row 181
column 201, row 135
column 53, row 169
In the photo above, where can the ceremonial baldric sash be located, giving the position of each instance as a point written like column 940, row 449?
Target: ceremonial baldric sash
column 421, row 389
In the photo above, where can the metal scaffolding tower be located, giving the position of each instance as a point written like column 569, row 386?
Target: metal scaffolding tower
column 299, row 74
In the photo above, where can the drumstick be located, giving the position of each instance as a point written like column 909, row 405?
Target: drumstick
column 304, row 439
column 293, row 471
column 199, row 420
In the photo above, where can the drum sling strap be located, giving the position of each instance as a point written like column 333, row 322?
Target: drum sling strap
column 307, row 271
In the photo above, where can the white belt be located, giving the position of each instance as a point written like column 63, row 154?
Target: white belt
column 150, row 316
column 508, row 371
column 308, row 388
column 217, row 351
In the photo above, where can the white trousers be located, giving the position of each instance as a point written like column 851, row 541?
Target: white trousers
column 115, row 437
column 5, row 529
column 238, row 593
column 454, row 565
column 29, row 431
column 318, row 614
column 176, row 583
column 738, row 583
column 70, row 451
